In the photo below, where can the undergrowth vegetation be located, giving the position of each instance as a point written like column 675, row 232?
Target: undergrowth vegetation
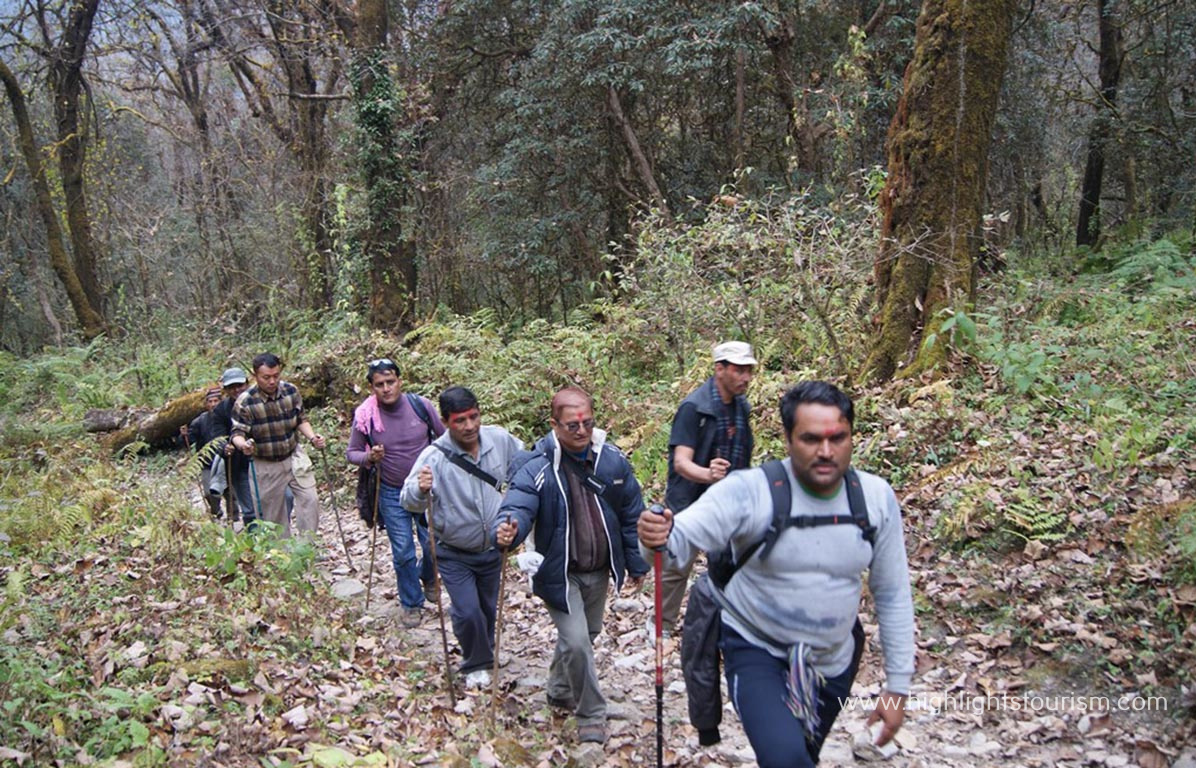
column 1064, row 422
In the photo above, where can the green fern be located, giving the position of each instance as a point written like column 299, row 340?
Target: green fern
column 1032, row 522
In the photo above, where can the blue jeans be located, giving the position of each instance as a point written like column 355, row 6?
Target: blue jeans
column 398, row 524
column 756, row 683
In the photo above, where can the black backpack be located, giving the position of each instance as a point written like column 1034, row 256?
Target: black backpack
column 367, row 480
column 723, row 565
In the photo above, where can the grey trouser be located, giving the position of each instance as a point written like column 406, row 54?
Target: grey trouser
column 572, row 676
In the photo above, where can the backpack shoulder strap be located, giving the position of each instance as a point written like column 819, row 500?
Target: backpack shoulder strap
column 458, row 460
column 859, row 508
column 782, row 500
column 417, row 405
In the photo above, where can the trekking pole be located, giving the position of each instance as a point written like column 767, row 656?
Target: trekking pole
column 332, row 505
column 369, row 580
column 657, row 567
column 230, row 499
column 502, row 588
column 257, row 494
column 448, row 668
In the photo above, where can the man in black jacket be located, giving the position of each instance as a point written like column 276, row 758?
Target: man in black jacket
column 234, row 381
column 200, row 432
column 711, row 437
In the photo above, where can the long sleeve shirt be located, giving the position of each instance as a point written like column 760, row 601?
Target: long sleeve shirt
column 466, row 510
column 404, row 435
column 808, row 589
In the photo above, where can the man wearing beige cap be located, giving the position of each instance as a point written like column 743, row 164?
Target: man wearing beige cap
column 711, row 436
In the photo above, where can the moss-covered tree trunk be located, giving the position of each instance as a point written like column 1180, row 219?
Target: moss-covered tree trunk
column 384, row 158
column 1088, row 225
column 91, row 323
column 933, row 197
column 66, row 83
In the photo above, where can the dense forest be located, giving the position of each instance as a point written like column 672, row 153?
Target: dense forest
column 977, row 218
column 208, row 158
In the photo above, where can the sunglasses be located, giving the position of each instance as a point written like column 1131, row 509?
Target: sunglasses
column 382, row 364
column 573, row 427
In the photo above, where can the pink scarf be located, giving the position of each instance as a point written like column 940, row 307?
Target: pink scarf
column 366, row 418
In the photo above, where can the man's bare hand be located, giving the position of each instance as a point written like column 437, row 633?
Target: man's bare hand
column 653, row 529
column 890, row 711
column 506, row 533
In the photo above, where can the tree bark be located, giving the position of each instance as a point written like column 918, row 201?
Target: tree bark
column 66, row 83
column 90, row 321
column 1088, row 225
column 385, row 166
column 642, row 166
column 937, row 157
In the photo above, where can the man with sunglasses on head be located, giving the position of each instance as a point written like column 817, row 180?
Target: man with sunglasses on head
column 581, row 495
column 391, row 429
column 711, row 437
column 466, row 470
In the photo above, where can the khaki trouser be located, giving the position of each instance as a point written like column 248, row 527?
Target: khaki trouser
column 294, row 472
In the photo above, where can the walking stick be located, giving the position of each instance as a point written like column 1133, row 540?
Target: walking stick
column 331, row 499
column 257, row 494
column 369, row 580
column 502, row 588
column 230, row 501
column 657, row 567
column 448, row 668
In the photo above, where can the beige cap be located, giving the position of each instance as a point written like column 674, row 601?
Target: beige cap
column 734, row 352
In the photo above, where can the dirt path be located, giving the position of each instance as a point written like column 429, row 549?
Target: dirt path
column 1018, row 726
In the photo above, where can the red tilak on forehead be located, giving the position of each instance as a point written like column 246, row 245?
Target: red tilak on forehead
column 830, row 432
column 454, row 414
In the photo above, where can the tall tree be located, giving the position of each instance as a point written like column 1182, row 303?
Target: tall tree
column 1100, row 133
column 91, row 322
column 292, row 94
column 65, row 56
column 933, row 196
column 385, row 158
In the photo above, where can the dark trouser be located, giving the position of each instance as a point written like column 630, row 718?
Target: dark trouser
column 471, row 579
column 756, row 682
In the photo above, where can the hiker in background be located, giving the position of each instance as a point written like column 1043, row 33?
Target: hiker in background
column 711, row 437
column 201, row 431
column 466, row 469
column 581, row 495
column 268, row 419
column 233, row 382
column 790, row 636
column 391, row 429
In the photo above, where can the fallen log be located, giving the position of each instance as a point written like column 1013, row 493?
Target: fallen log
column 160, row 427
column 109, row 419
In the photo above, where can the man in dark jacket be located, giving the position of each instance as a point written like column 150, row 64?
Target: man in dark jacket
column 711, row 437
column 234, row 381
column 582, row 497
column 201, row 431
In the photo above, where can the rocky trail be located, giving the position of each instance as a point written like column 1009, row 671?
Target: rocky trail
column 981, row 697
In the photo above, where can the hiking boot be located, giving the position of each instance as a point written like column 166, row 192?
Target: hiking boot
column 479, row 678
column 411, row 617
column 565, row 705
column 593, row 733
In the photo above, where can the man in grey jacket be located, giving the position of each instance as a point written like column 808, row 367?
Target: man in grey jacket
column 787, row 622
column 465, row 470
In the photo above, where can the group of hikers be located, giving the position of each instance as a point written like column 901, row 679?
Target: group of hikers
column 787, row 543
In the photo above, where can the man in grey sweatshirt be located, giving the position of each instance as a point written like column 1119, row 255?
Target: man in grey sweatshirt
column 466, row 468
column 787, row 639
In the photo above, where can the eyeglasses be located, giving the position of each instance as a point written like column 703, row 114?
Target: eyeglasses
column 573, row 427
column 382, row 364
